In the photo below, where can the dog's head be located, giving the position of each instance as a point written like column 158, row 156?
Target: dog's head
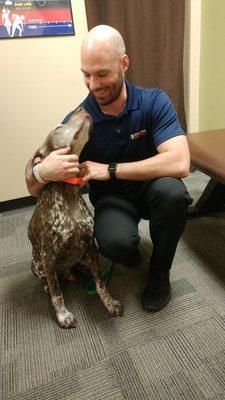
column 75, row 133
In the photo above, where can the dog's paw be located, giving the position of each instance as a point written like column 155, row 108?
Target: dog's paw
column 66, row 319
column 115, row 308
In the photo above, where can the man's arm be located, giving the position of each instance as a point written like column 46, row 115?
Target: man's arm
column 173, row 159
column 57, row 166
column 34, row 187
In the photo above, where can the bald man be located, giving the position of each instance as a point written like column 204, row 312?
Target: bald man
column 134, row 162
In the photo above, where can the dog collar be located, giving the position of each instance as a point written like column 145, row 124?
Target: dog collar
column 74, row 181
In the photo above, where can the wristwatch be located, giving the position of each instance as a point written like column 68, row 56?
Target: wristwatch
column 112, row 169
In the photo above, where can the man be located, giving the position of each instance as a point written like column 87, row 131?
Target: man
column 17, row 24
column 6, row 19
column 133, row 162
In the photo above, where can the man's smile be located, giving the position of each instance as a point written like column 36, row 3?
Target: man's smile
column 101, row 92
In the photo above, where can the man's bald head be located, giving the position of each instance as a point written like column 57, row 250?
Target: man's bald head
column 104, row 37
column 104, row 63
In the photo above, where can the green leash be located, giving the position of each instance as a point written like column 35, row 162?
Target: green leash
column 90, row 289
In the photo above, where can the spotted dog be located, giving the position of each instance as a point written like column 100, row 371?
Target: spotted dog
column 61, row 228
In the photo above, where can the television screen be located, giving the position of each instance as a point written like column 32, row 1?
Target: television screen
column 35, row 18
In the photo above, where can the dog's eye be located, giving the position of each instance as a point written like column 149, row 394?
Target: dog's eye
column 58, row 126
column 77, row 133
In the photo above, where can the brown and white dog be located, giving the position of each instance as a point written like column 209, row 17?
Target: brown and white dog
column 61, row 228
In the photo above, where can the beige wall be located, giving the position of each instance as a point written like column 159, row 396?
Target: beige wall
column 192, row 62
column 40, row 83
column 212, row 66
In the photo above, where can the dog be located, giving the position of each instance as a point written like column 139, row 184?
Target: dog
column 61, row 227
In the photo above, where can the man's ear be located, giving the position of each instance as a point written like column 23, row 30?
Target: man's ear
column 125, row 62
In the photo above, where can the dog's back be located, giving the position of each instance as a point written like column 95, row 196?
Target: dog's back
column 61, row 213
column 61, row 228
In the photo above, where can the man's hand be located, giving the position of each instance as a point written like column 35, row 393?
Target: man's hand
column 92, row 170
column 59, row 165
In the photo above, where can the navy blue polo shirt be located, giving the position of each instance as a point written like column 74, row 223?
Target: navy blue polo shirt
column 148, row 120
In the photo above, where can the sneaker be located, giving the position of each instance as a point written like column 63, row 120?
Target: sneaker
column 157, row 292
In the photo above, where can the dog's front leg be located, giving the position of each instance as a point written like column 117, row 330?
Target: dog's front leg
column 113, row 306
column 65, row 318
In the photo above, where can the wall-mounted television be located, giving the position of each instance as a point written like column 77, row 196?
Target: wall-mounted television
column 19, row 19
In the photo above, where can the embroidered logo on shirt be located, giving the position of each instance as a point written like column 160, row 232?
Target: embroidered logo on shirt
column 136, row 135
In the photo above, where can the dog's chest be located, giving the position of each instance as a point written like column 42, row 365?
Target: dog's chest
column 62, row 217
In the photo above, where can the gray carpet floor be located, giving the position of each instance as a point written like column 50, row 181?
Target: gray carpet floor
column 177, row 353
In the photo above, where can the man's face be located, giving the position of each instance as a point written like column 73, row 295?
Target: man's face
column 103, row 76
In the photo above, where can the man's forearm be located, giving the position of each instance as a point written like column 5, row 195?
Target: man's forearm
column 34, row 187
column 173, row 159
column 154, row 167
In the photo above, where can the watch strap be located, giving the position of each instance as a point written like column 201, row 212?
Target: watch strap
column 112, row 169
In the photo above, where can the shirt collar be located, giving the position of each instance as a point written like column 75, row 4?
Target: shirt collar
column 91, row 105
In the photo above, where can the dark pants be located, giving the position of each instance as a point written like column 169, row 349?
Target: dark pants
column 163, row 202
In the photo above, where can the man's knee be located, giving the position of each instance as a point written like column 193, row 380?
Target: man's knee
column 119, row 248
column 116, row 228
column 169, row 192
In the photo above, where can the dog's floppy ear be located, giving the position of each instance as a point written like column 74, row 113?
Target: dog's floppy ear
column 42, row 152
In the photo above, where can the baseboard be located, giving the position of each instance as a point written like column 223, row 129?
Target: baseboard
column 17, row 203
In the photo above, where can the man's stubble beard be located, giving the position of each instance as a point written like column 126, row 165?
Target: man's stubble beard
column 117, row 88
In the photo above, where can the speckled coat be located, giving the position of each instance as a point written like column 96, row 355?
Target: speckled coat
column 61, row 228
